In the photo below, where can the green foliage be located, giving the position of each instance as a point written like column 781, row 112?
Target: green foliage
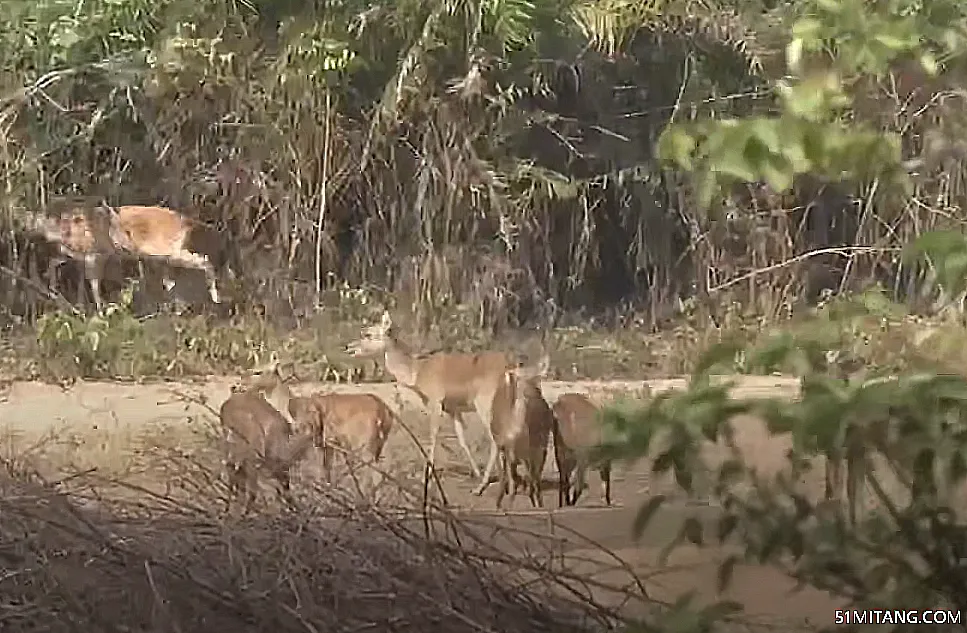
column 813, row 132
column 899, row 438
column 946, row 251
column 93, row 343
column 903, row 437
column 865, row 37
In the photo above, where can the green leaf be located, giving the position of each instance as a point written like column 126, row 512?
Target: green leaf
column 677, row 146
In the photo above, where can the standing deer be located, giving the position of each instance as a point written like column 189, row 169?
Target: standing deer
column 576, row 431
column 92, row 235
column 521, row 424
column 354, row 422
column 448, row 384
column 259, row 438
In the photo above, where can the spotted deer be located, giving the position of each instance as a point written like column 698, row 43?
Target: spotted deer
column 90, row 236
column 448, row 384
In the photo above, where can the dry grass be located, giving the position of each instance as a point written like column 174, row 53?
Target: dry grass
column 158, row 565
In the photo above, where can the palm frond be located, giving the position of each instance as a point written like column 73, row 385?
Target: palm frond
column 609, row 25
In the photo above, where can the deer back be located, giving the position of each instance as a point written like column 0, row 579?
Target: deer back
column 151, row 230
column 577, row 420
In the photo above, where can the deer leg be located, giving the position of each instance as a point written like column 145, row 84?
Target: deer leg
column 94, row 270
column 146, row 285
column 285, row 488
column 563, row 487
column 188, row 259
column 80, row 295
column 437, row 414
column 242, row 484
column 251, row 487
column 52, row 265
column 534, row 484
column 505, row 478
column 212, row 284
column 233, row 475
column 328, row 454
column 488, row 468
column 580, row 480
column 461, row 429
column 483, row 410
column 605, row 473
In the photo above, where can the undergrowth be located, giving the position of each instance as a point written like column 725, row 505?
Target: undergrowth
column 116, row 344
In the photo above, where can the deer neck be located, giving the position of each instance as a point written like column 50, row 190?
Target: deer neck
column 508, row 412
column 519, row 410
column 399, row 362
column 278, row 396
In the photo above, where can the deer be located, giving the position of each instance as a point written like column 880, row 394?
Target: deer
column 577, row 430
column 521, row 424
column 355, row 422
column 448, row 384
column 92, row 235
column 259, row 437
column 267, row 382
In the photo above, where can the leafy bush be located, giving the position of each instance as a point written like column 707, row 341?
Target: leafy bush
column 900, row 440
column 91, row 344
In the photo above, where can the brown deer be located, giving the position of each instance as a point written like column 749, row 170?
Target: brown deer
column 448, row 384
column 521, row 424
column 259, row 439
column 354, row 422
column 92, row 235
column 576, row 431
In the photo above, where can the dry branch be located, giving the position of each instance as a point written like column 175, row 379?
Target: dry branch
column 154, row 565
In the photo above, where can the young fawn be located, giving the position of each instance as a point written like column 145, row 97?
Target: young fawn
column 355, row 422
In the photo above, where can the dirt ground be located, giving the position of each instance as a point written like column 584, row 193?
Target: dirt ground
column 114, row 427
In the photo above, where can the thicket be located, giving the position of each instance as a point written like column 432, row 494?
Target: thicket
column 496, row 155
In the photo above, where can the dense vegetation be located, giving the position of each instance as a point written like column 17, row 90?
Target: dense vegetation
column 500, row 156
column 495, row 155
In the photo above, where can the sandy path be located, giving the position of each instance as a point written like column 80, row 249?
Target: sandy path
column 31, row 407
column 99, row 411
